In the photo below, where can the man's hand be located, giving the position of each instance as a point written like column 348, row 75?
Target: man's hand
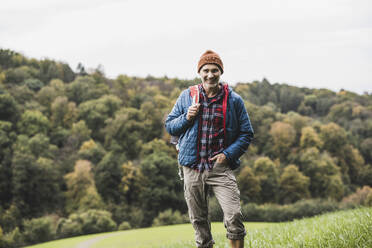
column 192, row 111
column 219, row 158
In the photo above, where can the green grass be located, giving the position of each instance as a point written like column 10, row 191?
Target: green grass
column 344, row 229
column 66, row 243
column 144, row 237
column 163, row 236
column 351, row 228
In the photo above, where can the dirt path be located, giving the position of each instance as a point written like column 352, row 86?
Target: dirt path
column 88, row 243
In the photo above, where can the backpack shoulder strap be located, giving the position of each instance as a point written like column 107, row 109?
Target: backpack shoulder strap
column 224, row 109
column 194, row 93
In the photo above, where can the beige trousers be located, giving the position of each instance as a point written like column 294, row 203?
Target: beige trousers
column 222, row 182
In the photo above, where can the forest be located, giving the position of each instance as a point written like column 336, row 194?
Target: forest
column 83, row 153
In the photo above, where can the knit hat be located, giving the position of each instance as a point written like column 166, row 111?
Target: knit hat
column 210, row 57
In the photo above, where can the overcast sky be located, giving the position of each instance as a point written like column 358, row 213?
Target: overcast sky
column 310, row 43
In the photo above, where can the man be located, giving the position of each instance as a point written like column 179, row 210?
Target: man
column 213, row 133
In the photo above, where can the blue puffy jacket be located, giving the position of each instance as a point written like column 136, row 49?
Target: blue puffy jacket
column 239, row 131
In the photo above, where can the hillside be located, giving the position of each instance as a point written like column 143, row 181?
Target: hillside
column 77, row 147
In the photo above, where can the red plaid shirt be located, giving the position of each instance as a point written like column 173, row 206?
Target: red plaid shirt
column 211, row 131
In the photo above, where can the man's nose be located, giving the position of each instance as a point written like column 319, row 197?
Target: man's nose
column 210, row 75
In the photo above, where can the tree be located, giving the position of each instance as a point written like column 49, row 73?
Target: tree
column 366, row 150
column 32, row 122
column 296, row 121
column 249, row 185
column 366, row 175
column 23, row 96
column 64, row 113
column 309, row 138
column 7, row 138
column 351, row 161
column 81, row 70
column 325, row 100
column 293, row 185
column 108, row 176
column 68, row 74
column 325, row 176
column 267, row 173
column 10, row 59
column 92, row 151
column 283, row 136
column 81, row 192
column 33, row 84
column 341, row 113
column 333, row 137
column 11, row 218
column 262, row 121
column 49, row 93
column 40, row 146
column 125, row 133
column 153, row 114
column 259, row 93
column 131, row 184
column 47, row 185
column 289, row 98
column 85, row 88
column 20, row 74
column 157, row 146
column 36, row 173
column 162, row 187
column 8, row 108
column 96, row 112
column 80, row 132
column 308, row 106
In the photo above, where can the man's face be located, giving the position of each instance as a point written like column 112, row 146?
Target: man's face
column 210, row 75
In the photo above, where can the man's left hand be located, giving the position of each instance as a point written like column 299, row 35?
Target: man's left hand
column 219, row 158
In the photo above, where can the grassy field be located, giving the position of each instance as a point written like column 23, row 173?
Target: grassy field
column 145, row 237
column 344, row 229
column 352, row 228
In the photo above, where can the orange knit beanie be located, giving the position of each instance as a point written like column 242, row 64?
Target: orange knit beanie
column 210, row 57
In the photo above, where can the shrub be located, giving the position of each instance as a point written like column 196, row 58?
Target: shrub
column 10, row 218
column 34, row 84
column 168, row 217
column 95, row 221
column 278, row 213
column 38, row 230
column 214, row 210
column 362, row 197
column 91, row 221
column 368, row 201
column 124, row 226
column 1, row 238
column 136, row 217
column 68, row 228
column 12, row 239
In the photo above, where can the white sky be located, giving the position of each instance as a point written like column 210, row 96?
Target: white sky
column 311, row 43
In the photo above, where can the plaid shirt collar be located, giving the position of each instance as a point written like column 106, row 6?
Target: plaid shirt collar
column 204, row 98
